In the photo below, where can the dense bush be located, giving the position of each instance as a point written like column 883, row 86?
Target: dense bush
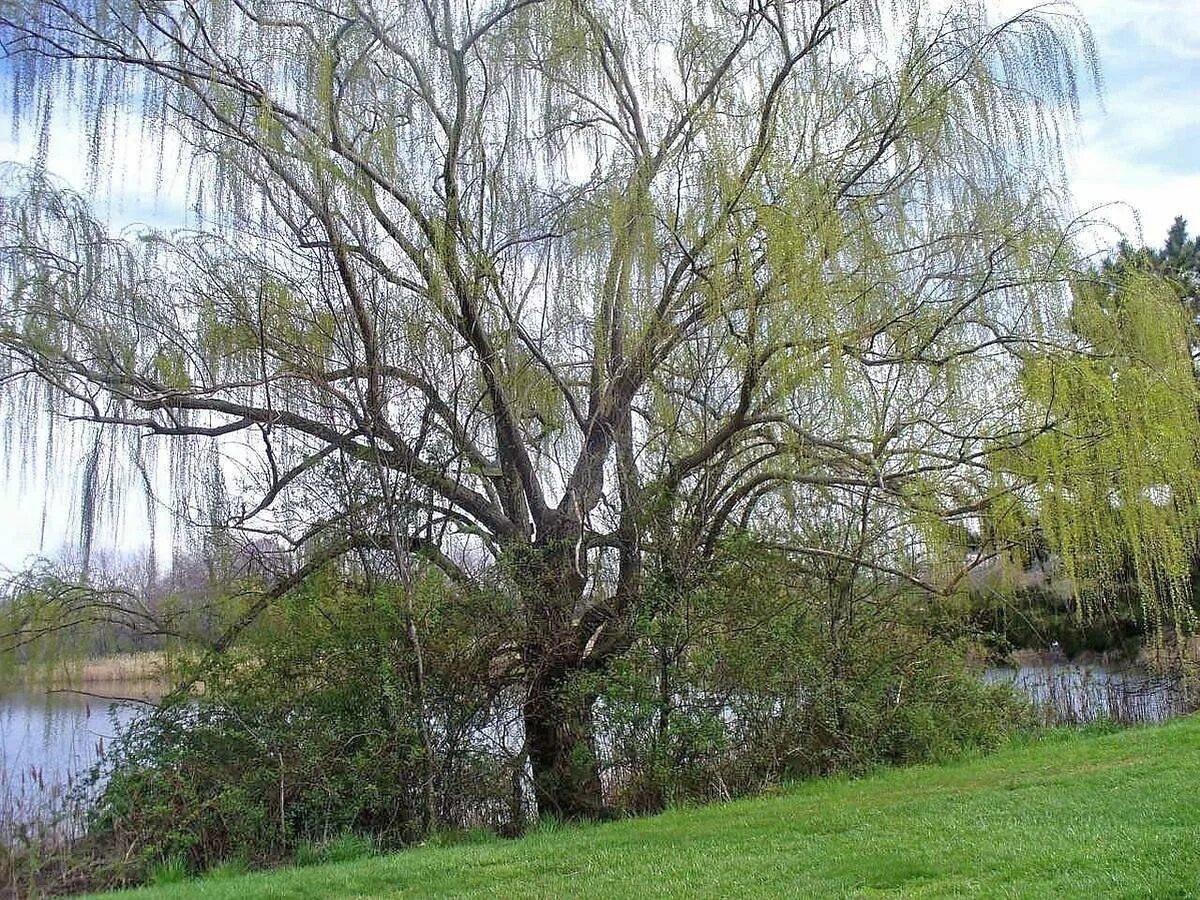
column 305, row 735
column 760, row 674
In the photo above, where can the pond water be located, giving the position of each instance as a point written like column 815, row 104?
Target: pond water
column 47, row 740
column 1068, row 693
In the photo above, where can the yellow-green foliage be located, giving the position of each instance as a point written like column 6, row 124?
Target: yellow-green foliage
column 1118, row 480
column 274, row 321
column 171, row 370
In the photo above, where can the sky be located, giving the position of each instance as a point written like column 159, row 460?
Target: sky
column 1141, row 147
column 1136, row 161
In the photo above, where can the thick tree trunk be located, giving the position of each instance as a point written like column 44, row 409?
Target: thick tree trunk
column 559, row 733
column 562, row 750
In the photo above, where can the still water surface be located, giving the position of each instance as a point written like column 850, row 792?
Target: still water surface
column 47, row 740
column 1073, row 694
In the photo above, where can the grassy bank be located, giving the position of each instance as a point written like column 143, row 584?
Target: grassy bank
column 1079, row 815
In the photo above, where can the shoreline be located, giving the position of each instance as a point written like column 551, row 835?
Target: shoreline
column 142, row 669
column 1149, row 656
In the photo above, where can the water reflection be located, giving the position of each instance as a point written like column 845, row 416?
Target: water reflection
column 47, row 740
column 1074, row 694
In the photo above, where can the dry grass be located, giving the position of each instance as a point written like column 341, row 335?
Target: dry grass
column 144, row 669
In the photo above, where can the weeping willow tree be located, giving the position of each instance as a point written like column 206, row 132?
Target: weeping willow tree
column 1118, row 478
column 529, row 284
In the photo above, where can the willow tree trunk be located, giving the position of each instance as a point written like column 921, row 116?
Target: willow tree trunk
column 562, row 750
column 559, row 732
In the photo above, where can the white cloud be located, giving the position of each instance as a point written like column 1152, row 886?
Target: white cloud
column 1137, row 158
column 1125, row 191
column 1156, row 28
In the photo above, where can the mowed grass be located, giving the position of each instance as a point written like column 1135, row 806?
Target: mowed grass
column 1069, row 815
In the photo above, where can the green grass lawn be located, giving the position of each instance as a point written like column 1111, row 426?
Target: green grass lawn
column 1092, row 815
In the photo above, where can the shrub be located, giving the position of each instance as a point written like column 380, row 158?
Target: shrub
column 304, row 741
column 758, row 674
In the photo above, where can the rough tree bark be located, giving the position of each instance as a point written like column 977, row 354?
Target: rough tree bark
column 559, row 733
column 562, row 746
